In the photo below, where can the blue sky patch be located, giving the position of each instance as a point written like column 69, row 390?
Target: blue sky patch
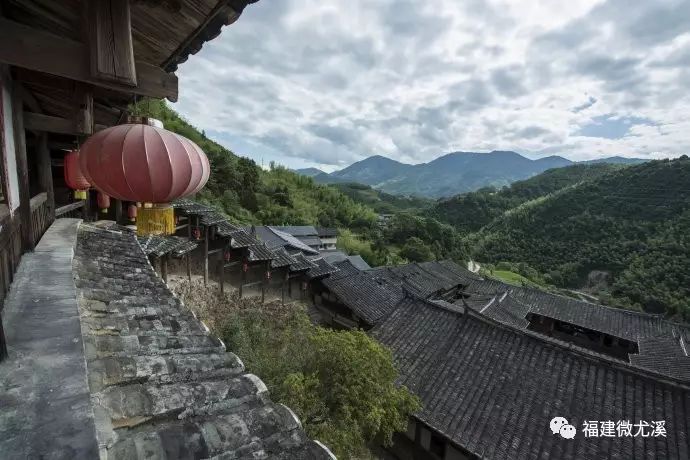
column 611, row 126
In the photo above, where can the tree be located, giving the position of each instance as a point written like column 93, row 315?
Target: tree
column 346, row 394
column 416, row 251
column 341, row 384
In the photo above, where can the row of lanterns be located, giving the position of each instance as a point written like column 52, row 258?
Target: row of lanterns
column 138, row 163
column 78, row 182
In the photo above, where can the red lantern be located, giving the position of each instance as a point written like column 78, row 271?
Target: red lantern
column 74, row 177
column 132, row 212
column 227, row 255
column 245, row 267
column 304, row 285
column 135, row 162
column 196, row 233
column 268, row 275
column 103, row 202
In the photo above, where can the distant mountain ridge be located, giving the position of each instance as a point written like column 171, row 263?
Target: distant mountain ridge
column 309, row 172
column 450, row 174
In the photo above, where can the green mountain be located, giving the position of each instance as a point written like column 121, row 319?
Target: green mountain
column 250, row 194
column 451, row 174
column 471, row 211
column 382, row 202
column 631, row 225
column 309, row 172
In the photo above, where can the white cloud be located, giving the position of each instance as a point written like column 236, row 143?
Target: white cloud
column 308, row 82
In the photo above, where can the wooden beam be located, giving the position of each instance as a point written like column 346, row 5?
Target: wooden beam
column 22, row 166
column 50, row 124
column 26, row 47
column 68, row 208
column 47, row 123
column 83, row 101
column 110, row 41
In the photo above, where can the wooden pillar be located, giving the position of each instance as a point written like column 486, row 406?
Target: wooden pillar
column 205, row 255
column 264, row 281
column 22, row 166
column 189, row 254
column 242, row 280
column 117, row 208
column 221, row 274
column 45, row 173
column 86, row 208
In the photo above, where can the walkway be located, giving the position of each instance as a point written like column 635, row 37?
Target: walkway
column 45, row 410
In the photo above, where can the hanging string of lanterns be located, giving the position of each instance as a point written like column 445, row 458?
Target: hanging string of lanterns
column 103, row 201
column 74, row 177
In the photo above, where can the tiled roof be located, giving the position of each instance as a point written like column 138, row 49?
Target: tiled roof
column 163, row 245
column 301, row 263
column 226, row 229
column 345, row 268
column 369, row 297
column 321, row 269
column 326, row 232
column 291, row 241
column 281, row 258
column 419, row 280
column 298, row 230
column 658, row 340
column 259, row 252
column 212, row 218
column 310, row 240
column 161, row 385
column 460, row 272
column 242, row 239
column 493, row 389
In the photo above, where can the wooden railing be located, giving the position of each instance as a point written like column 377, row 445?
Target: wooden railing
column 40, row 216
column 10, row 254
column 71, row 210
column 11, row 246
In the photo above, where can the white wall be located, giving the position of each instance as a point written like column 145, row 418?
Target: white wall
column 8, row 147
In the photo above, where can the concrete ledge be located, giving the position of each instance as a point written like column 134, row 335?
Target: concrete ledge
column 44, row 395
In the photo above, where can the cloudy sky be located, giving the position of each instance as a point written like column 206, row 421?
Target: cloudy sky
column 326, row 83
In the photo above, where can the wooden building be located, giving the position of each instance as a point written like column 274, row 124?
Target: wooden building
column 68, row 69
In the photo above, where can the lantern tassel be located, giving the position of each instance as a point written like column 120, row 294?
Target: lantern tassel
column 157, row 219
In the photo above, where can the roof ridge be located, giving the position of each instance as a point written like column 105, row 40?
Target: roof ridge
column 566, row 346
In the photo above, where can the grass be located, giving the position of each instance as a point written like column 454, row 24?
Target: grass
column 513, row 278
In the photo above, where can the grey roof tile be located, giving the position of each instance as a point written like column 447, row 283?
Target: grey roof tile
column 493, row 389
column 160, row 382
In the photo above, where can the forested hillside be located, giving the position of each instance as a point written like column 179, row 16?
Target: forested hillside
column 471, row 211
column 632, row 223
column 382, row 202
column 278, row 196
column 251, row 195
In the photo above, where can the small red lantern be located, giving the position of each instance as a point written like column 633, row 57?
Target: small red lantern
column 245, row 267
column 304, row 285
column 74, row 177
column 103, row 202
column 196, row 233
column 268, row 275
column 132, row 212
column 227, row 255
